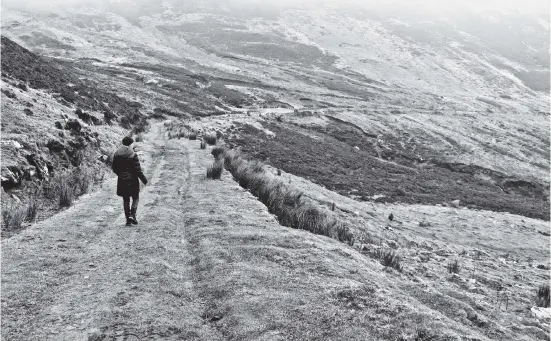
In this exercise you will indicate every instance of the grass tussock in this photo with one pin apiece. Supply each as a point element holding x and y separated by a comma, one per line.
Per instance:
<point>13,217</point>
<point>289,205</point>
<point>210,139</point>
<point>65,187</point>
<point>32,209</point>
<point>543,297</point>
<point>389,258</point>
<point>215,171</point>
<point>217,152</point>
<point>454,267</point>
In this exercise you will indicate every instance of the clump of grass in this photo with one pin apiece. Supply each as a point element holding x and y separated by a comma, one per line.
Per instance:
<point>215,171</point>
<point>13,217</point>
<point>64,187</point>
<point>389,258</point>
<point>210,139</point>
<point>203,145</point>
<point>217,152</point>
<point>32,209</point>
<point>287,204</point>
<point>543,296</point>
<point>454,267</point>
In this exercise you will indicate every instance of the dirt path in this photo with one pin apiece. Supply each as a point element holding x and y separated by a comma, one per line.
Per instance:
<point>83,272</point>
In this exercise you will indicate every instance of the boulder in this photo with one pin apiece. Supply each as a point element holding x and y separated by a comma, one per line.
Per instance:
<point>40,164</point>
<point>11,176</point>
<point>455,203</point>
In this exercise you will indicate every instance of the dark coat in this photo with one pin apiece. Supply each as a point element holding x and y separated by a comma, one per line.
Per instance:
<point>127,167</point>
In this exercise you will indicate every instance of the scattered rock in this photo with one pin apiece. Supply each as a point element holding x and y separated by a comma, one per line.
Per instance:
<point>11,176</point>
<point>392,244</point>
<point>8,93</point>
<point>424,223</point>
<point>22,86</point>
<point>95,335</point>
<point>455,203</point>
<point>356,148</point>
<point>42,168</point>
<point>55,146</point>
<point>73,125</point>
<point>541,313</point>
<point>87,118</point>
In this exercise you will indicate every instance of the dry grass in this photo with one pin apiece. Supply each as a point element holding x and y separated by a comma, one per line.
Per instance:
<point>13,217</point>
<point>32,209</point>
<point>543,297</point>
<point>389,258</point>
<point>215,171</point>
<point>289,205</point>
<point>65,187</point>
<point>454,267</point>
<point>217,151</point>
<point>210,138</point>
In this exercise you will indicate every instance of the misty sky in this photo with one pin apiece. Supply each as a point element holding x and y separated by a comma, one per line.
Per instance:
<point>540,7</point>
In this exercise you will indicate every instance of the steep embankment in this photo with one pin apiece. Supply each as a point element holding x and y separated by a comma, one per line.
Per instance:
<point>58,130</point>
<point>208,262</point>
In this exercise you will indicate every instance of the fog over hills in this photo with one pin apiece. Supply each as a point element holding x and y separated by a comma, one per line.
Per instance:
<point>383,169</point>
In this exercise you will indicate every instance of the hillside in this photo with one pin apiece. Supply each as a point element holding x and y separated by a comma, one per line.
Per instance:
<point>437,93</point>
<point>396,188</point>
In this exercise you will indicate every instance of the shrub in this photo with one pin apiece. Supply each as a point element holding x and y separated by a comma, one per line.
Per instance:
<point>13,217</point>
<point>543,297</point>
<point>454,267</point>
<point>215,171</point>
<point>192,135</point>
<point>210,139</point>
<point>203,145</point>
<point>279,172</point>
<point>389,258</point>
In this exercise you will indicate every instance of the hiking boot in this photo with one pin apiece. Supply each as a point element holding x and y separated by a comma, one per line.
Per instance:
<point>134,220</point>
<point>129,221</point>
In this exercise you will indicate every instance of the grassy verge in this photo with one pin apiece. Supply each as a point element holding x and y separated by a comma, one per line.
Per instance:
<point>290,206</point>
